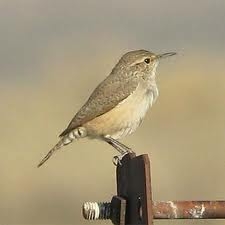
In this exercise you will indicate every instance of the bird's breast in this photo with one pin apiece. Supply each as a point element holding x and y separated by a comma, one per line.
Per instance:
<point>125,117</point>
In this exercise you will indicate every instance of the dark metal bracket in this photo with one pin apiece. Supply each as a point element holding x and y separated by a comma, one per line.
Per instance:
<point>133,204</point>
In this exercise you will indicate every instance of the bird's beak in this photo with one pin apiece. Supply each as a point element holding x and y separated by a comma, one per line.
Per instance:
<point>164,55</point>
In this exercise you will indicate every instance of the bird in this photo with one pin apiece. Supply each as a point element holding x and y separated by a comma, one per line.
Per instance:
<point>118,105</point>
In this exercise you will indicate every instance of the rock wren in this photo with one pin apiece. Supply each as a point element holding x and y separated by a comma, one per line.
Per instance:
<point>119,103</point>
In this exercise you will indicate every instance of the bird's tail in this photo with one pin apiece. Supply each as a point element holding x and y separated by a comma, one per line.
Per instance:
<point>63,141</point>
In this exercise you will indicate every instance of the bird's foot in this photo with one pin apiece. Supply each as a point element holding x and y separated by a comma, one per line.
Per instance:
<point>118,158</point>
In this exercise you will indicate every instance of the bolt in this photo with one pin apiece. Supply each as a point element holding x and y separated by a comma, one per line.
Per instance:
<point>96,210</point>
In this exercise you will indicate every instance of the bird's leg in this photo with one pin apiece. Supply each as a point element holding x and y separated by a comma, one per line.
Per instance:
<point>126,148</point>
<point>121,148</point>
<point>121,145</point>
<point>117,159</point>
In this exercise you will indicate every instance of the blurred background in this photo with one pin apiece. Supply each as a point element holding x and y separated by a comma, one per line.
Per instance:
<point>54,53</point>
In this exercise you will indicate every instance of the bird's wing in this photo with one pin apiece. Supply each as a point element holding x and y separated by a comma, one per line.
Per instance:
<point>106,96</point>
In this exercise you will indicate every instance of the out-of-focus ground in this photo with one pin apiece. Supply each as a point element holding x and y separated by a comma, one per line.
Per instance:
<point>54,53</point>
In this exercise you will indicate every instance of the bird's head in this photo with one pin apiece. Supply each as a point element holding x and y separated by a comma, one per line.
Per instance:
<point>142,62</point>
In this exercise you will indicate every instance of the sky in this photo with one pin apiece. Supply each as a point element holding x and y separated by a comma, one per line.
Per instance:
<point>54,53</point>
<point>31,30</point>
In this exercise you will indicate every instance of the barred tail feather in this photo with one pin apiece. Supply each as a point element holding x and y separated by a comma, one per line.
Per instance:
<point>77,133</point>
<point>64,141</point>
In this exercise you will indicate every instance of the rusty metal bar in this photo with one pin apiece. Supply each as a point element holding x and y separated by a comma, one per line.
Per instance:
<point>166,210</point>
<point>189,210</point>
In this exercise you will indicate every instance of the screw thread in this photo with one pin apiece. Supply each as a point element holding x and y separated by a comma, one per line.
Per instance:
<point>96,210</point>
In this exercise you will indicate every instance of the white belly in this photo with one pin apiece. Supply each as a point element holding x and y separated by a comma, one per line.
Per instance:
<point>134,110</point>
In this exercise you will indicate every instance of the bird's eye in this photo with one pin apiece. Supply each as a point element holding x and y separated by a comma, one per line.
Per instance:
<point>147,60</point>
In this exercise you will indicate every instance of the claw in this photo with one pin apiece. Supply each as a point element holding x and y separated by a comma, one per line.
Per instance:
<point>118,158</point>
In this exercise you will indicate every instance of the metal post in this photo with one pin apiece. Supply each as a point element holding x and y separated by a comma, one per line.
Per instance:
<point>134,185</point>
